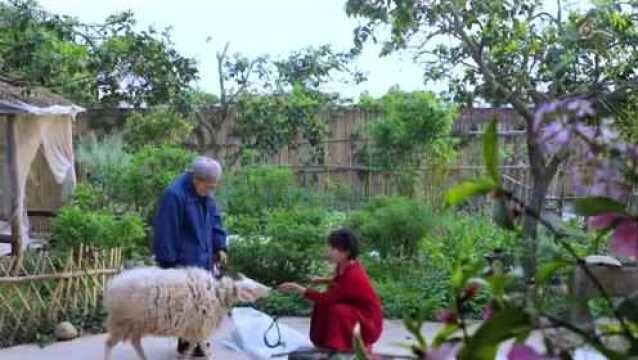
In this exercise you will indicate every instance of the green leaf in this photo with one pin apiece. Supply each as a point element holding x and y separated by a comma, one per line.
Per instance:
<point>465,190</point>
<point>359,348</point>
<point>414,328</point>
<point>498,284</point>
<point>490,151</point>
<point>463,272</point>
<point>597,205</point>
<point>444,334</point>
<point>546,271</point>
<point>506,324</point>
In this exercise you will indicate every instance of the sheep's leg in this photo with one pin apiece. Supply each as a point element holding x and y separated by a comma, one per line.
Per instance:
<point>189,350</point>
<point>137,345</point>
<point>108,348</point>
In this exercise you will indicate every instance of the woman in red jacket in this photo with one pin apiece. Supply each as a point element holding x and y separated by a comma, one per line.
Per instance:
<point>349,300</point>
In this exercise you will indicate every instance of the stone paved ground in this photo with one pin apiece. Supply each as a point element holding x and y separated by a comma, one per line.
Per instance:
<point>92,347</point>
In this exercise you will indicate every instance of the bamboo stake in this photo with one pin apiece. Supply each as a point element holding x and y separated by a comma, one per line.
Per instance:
<point>58,276</point>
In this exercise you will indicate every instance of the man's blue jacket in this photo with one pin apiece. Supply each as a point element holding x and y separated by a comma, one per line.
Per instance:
<point>187,229</point>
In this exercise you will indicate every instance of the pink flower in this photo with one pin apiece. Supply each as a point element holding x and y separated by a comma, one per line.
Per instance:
<point>447,351</point>
<point>471,290</point>
<point>524,352</point>
<point>448,317</point>
<point>603,221</point>
<point>625,238</point>
<point>488,312</point>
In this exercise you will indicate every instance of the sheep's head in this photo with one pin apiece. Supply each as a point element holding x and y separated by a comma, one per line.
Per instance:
<point>249,290</point>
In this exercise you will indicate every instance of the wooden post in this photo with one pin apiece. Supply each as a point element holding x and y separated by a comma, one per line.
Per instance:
<point>15,212</point>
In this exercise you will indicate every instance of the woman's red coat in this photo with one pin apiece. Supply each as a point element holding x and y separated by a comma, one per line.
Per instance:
<point>349,300</point>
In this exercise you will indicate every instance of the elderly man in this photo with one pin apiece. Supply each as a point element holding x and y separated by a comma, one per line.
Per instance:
<point>188,227</point>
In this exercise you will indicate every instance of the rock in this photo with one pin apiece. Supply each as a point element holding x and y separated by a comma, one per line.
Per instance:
<point>65,331</point>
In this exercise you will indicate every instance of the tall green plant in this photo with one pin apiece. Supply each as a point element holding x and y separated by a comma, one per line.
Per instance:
<point>288,247</point>
<point>99,228</point>
<point>392,226</point>
<point>256,189</point>
<point>160,127</point>
<point>414,129</point>
<point>103,161</point>
<point>148,174</point>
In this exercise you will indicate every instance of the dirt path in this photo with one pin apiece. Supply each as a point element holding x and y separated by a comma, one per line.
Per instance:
<point>92,347</point>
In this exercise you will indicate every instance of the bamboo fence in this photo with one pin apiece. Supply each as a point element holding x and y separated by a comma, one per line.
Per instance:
<point>46,290</point>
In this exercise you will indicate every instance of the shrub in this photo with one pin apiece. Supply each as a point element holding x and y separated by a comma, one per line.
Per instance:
<point>103,161</point>
<point>148,174</point>
<point>285,305</point>
<point>160,127</point>
<point>259,188</point>
<point>287,248</point>
<point>89,197</point>
<point>99,228</point>
<point>455,235</point>
<point>392,226</point>
<point>412,123</point>
<point>408,287</point>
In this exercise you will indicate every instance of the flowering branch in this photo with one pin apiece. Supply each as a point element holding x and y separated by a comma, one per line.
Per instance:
<point>559,237</point>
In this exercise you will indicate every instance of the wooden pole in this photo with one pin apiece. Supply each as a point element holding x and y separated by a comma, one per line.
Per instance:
<point>16,210</point>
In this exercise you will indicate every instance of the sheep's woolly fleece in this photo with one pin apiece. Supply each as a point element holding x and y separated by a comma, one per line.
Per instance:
<point>188,303</point>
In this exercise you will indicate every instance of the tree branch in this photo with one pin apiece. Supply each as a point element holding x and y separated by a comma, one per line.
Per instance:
<point>220,71</point>
<point>486,68</point>
<point>559,237</point>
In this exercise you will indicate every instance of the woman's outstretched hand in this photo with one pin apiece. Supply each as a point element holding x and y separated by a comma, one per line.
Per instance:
<point>291,288</point>
<point>320,280</point>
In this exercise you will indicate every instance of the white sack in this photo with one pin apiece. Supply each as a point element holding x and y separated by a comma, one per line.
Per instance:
<point>248,335</point>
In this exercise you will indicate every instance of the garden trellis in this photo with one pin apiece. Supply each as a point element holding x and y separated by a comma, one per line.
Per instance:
<point>45,289</point>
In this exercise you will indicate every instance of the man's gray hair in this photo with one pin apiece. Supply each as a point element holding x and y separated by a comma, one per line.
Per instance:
<point>206,168</point>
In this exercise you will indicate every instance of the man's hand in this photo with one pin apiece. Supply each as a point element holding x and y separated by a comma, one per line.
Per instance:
<point>222,257</point>
<point>291,288</point>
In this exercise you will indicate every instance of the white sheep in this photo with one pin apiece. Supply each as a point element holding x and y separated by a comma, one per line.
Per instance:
<point>187,303</point>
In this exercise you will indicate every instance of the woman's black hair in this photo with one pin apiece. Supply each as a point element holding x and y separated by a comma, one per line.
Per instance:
<point>345,240</point>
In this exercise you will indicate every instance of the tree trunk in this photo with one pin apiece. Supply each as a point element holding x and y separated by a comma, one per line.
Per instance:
<point>530,227</point>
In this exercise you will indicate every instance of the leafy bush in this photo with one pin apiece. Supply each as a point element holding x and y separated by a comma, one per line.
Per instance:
<point>408,287</point>
<point>392,226</point>
<point>256,189</point>
<point>285,305</point>
<point>160,127</point>
<point>148,174</point>
<point>103,161</point>
<point>456,235</point>
<point>288,247</point>
<point>100,228</point>
<point>89,197</point>
<point>411,123</point>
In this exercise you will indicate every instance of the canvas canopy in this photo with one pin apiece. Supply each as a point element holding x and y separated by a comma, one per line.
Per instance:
<point>29,120</point>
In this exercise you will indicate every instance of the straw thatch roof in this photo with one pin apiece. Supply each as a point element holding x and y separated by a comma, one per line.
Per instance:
<point>11,89</point>
<point>18,97</point>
